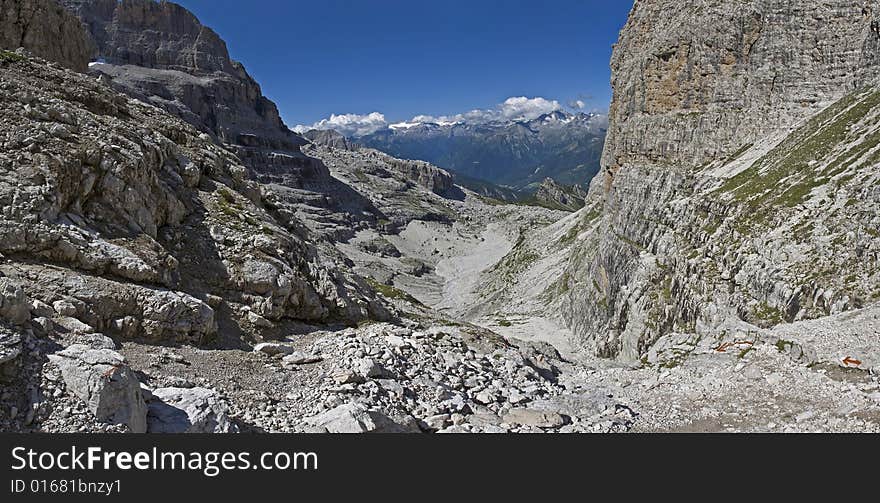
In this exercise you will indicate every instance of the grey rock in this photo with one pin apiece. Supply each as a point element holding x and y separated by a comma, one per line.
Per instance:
<point>358,418</point>
<point>96,341</point>
<point>10,352</point>
<point>64,308</point>
<point>45,29</point>
<point>300,358</point>
<point>537,418</point>
<point>192,410</point>
<point>438,422</point>
<point>370,369</point>
<point>345,376</point>
<point>105,383</point>
<point>482,420</point>
<point>14,305</point>
<point>40,309</point>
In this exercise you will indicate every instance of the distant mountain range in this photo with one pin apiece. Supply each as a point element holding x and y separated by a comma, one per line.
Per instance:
<point>517,154</point>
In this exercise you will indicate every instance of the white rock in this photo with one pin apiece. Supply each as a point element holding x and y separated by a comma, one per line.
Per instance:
<point>438,422</point>
<point>805,416</point>
<point>64,308</point>
<point>396,341</point>
<point>775,379</point>
<point>41,310</point>
<point>273,348</point>
<point>259,321</point>
<point>300,358</point>
<point>485,397</point>
<point>368,368</point>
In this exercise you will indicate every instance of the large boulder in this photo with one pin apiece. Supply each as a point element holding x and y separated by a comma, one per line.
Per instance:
<point>358,418</point>
<point>537,418</point>
<point>14,306</point>
<point>101,379</point>
<point>273,349</point>
<point>195,410</point>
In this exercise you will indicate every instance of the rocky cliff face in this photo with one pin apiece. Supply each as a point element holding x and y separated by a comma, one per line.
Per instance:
<point>329,138</point>
<point>160,52</point>
<point>696,83</point>
<point>728,200</point>
<point>126,221</point>
<point>44,29</point>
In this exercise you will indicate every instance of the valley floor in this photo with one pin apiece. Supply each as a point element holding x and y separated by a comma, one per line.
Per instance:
<point>794,378</point>
<point>460,361</point>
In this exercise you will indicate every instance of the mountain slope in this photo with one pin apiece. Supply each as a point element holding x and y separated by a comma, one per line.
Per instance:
<point>739,176</point>
<point>147,222</point>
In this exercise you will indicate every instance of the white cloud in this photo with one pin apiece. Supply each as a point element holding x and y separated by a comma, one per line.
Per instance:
<point>516,108</point>
<point>349,124</point>
<point>523,108</point>
<point>578,104</point>
<point>512,109</point>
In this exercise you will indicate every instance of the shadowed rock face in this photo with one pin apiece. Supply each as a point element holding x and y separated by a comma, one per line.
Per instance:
<point>161,53</point>
<point>706,96</point>
<point>44,29</point>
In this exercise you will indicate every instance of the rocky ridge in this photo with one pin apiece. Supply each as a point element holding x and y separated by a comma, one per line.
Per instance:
<point>565,197</point>
<point>519,154</point>
<point>122,221</point>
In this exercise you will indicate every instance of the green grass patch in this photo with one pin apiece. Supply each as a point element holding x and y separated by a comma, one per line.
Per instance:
<point>392,293</point>
<point>783,345</point>
<point>745,352</point>
<point>787,175</point>
<point>739,153</point>
<point>631,242</point>
<point>10,57</point>
<point>765,312</point>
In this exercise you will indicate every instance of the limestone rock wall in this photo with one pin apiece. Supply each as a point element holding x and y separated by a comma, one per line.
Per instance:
<point>721,204</point>
<point>44,29</point>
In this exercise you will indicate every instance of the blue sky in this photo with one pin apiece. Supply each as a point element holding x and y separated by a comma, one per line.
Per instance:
<point>405,58</point>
